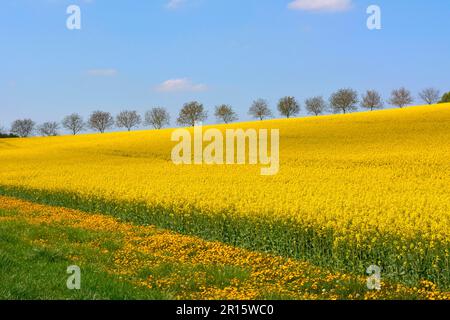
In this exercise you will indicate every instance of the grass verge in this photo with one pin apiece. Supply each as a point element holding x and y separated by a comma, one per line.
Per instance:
<point>400,262</point>
<point>124,261</point>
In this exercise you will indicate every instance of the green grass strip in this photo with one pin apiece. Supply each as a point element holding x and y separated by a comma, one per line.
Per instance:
<point>285,238</point>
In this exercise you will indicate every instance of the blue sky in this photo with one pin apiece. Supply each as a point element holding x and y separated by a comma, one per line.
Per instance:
<point>144,53</point>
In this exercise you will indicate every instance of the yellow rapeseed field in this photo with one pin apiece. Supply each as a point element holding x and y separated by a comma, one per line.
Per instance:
<point>353,189</point>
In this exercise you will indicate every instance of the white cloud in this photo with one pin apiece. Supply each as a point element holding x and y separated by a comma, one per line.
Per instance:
<point>320,5</point>
<point>102,72</point>
<point>180,85</point>
<point>175,4</point>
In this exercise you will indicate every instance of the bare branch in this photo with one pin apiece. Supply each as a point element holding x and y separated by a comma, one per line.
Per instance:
<point>157,117</point>
<point>260,109</point>
<point>128,120</point>
<point>372,100</point>
<point>23,128</point>
<point>401,98</point>
<point>191,113</point>
<point>288,107</point>
<point>101,121</point>
<point>430,95</point>
<point>49,129</point>
<point>225,113</point>
<point>315,105</point>
<point>344,100</point>
<point>74,123</point>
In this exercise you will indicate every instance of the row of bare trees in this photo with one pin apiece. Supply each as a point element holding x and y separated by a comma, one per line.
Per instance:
<point>101,121</point>
<point>98,121</point>
<point>342,101</point>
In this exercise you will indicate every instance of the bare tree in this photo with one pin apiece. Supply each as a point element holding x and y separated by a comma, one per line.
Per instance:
<point>74,123</point>
<point>344,100</point>
<point>191,113</point>
<point>101,121</point>
<point>372,100</point>
<point>128,120</point>
<point>225,113</point>
<point>288,107</point>
<point>23,128</point>
<point>401,98</point>
<point>315,105</point>
<point>260,109</point>
<point>430,95</point>
<point>49,129</point>
<point>157,117</point>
